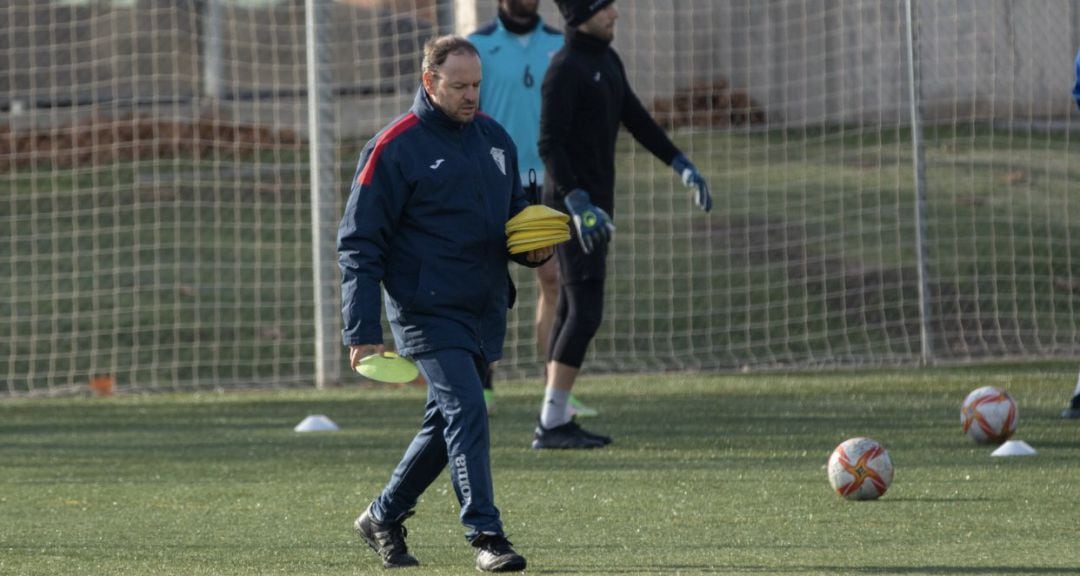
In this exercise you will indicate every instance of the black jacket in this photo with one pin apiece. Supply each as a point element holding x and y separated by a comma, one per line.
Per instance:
<point>586,96</point>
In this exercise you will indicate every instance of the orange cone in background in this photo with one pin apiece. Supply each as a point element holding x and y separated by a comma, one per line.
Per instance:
<point>102,384</point>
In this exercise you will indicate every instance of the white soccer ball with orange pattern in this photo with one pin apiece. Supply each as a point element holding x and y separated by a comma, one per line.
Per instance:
<point>860,469</point>
<point>989,415</point>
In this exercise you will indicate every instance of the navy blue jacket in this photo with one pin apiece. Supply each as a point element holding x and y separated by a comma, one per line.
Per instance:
<point>426,219</point>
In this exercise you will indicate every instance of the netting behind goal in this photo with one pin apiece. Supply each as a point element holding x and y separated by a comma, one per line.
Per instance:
<point>156,208</point>
<point>156,216</point>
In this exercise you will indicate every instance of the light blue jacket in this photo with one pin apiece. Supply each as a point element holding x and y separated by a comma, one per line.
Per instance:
<point>514,67</point>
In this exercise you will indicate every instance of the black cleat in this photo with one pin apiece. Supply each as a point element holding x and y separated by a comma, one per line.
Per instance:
<point>566,436</point>
<point>1071,414</point>
<point>603,440</point>
<point>386,539</point>
<point>495,554</point>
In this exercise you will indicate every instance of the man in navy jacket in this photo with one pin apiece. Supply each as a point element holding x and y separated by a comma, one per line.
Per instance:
<point>426,220</point>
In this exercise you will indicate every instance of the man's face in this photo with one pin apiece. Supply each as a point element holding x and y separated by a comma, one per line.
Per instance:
<point>455,87</point>
<point>602,24</point>
<point>520,9</point>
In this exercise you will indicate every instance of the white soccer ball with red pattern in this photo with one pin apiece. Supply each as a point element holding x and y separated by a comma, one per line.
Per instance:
<point>989,415</point>
<point>860,469</point>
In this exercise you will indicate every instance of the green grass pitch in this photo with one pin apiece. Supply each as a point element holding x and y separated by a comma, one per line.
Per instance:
<point>709,474</point>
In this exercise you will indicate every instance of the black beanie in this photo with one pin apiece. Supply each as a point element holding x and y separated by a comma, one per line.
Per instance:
<point>577,11</point>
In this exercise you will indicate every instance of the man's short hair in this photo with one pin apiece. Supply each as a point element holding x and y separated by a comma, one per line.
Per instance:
<point>437,49</point>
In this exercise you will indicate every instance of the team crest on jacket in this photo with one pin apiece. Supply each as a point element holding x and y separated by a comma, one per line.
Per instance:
<point>500,159</point>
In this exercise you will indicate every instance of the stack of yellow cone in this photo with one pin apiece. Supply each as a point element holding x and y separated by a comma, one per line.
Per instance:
<point>536,227</point>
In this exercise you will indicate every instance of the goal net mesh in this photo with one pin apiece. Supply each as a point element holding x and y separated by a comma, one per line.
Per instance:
<point>156,206</point>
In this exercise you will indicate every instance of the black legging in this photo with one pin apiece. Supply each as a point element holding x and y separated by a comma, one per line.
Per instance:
<point>577,318</point>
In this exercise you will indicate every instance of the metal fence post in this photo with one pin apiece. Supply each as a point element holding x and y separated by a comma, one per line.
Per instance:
<point>445,11</point>
<point>213,52</point>
<point>919,165</point>
<point>323,192</point>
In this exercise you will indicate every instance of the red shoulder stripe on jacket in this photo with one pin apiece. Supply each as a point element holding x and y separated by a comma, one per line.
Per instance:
<point>407,121</point>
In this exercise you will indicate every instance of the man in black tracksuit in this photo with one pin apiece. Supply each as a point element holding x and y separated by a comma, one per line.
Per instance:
<point>585,99</point>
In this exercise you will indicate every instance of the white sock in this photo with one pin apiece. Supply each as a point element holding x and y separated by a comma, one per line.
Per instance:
<point>554,412</point>
<point>1077,391</point>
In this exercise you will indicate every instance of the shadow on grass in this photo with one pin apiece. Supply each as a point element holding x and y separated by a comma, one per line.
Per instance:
<point>744,569</point>
<point>973,570</point>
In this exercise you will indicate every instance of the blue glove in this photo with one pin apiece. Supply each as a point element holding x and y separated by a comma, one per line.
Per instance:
<point>593,225</point>
<point>1076,87</point>
<point>693,179</point>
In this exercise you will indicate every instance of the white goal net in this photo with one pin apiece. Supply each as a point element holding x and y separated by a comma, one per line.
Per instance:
<point>158,223</point>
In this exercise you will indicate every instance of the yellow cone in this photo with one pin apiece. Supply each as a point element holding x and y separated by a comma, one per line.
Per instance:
<point>536,227</point>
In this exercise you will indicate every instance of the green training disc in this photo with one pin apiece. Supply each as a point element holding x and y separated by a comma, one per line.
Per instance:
<point>387,367</point>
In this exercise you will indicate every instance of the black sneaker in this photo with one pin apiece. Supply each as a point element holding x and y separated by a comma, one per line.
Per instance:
<point>568,435</point>
<point>386,539</point>
<point>495,554</point>
<point>603,440</point>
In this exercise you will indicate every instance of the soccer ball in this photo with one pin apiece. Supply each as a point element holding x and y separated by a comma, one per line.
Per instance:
<point>989,415</point>
<point>860,469</point>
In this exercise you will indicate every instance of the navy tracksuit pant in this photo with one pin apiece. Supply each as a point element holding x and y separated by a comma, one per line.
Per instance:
<point>455,432</point>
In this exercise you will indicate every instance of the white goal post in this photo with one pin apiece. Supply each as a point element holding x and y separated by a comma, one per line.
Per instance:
<point>172,173</point>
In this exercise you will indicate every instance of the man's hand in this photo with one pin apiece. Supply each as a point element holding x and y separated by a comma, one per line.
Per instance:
<point>540,254</point>
<point>358,352</point>
<point>592,224</point>
<point>693,179</point>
